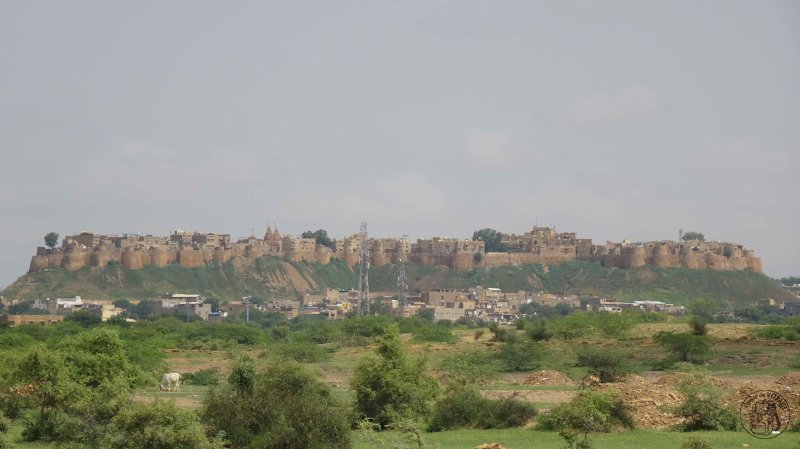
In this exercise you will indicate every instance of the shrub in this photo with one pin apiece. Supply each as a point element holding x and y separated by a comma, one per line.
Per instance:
<point>588,412</point>
<point>466,408</point>
<point>607,364</point>
<point>699,325</point>
<point>702,409</point>
<point>282,407</point>
<point>389,386</point>
<point>520,355</point>
<point>157,425</point>
<point>685,346</point>
<point>696,443</point>
<point>538,330</point>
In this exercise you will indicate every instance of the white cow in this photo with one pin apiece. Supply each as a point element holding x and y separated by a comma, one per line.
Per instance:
<point>168,380</point>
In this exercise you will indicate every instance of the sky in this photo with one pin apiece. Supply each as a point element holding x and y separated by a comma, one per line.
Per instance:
<point>615,119</point>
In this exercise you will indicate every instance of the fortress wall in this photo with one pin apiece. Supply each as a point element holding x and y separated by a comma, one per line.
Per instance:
<point>351,259</point>
<point>190,258</point>
<point>737,263</point>
<point>38,263</point>
<point>323,256</point>
<point>158,257</point>
<point>378,259</point>
<point>98,258</point>
<point>463,262</point>
<point>220,256</point>
<point>661,256</point>
<point>495,259</point>
<point>689,260</point>
<point>74,259</point>
<point>132,259</point>
<point>633,257</point>
<point>754,263</point>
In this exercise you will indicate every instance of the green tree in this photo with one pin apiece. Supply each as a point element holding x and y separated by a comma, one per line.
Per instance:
<point>283,408</point>
<point>161,425</point>
<point>51,239</point>
<point>320,236</point>
<point>388,385</point>
<point>84,318</point>
<point>606,364</point>
<point>703,308</point>
<point>5,427</point>
<point>686,347</point>
<point>693,235</point>
<point>492,239</point>
<point>520,355</point>
<point>76,387</point>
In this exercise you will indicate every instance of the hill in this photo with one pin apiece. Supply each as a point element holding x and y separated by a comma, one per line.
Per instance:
<point>271,277</point>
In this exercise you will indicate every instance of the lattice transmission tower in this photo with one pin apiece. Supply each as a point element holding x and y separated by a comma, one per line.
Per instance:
<point>363,273</point>
<point>402,287</point>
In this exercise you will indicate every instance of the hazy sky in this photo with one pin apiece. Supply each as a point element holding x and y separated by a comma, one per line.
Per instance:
<point>616,120</point>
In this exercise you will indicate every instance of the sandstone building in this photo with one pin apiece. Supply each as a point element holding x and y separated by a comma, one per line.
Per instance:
<point>541,245</point>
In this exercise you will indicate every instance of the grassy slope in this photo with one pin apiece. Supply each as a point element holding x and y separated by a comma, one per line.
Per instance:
<point>264,277</point>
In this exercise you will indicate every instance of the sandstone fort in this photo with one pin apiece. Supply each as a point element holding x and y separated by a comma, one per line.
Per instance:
<point>542,245</point>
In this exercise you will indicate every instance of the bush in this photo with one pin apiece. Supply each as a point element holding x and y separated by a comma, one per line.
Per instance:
<point>588,412</point>
<point>696,443</point>
<point>538,330</point>
<point>699,326</point>
<point>520,355</point>
<point>157,425</point>
<point>389,386</point>
<point>607,364</point>
<point>203,377</point>
<point>684,346</point>
<point>466,408</point>
<point>703,409</point>
<point>282,407</point>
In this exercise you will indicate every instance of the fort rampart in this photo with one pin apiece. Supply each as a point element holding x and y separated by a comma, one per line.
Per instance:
<point>541,245</point>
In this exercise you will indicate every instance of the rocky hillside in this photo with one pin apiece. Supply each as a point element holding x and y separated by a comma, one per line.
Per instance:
<point>270,277</point>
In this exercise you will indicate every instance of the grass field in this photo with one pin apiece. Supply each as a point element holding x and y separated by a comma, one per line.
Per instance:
<point>637,439</point>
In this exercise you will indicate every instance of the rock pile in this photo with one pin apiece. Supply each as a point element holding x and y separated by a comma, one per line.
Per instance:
<point>650,404</point>
<point>547,377</point>
<point>491,446</point>
<point>787,386</point>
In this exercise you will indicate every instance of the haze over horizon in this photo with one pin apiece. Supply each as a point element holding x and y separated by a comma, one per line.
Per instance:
<point>616,120</point>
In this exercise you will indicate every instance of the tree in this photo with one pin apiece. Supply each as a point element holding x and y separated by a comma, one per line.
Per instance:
<point>389,386</point>
<point>282,407</point>
<point>684,346</point>
<point>492,239</point>
<point>693,235</point>
<point>83,318</point>
<point>51,239</point>
<point>161,425</point>
<point>77,387</point>
<point>320,236</point>
<point>608,365</point>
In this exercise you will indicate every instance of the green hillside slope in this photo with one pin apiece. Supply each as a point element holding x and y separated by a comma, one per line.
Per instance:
<point>270,277</point>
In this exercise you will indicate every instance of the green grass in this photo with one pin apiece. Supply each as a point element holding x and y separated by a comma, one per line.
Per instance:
<point>637,439</point>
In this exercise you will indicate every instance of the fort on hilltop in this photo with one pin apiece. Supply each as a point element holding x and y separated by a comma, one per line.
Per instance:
<point>542,245</point>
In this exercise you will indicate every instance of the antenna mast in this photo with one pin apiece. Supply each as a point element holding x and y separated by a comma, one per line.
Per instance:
<point>402,286</point>
<point>363,273</point>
